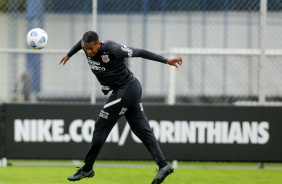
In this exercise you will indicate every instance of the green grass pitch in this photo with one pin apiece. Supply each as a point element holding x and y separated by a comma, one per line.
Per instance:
<point>125,175</point>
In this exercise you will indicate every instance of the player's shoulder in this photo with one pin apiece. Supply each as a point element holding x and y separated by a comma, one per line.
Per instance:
<point>109,44</point>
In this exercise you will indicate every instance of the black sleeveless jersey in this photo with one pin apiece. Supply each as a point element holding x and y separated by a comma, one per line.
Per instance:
<point>108,64</point>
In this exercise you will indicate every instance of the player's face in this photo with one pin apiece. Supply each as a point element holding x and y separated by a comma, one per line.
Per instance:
<point>91,48</point>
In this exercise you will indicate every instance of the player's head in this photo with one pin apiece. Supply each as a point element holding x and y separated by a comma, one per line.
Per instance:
<point>91,42</point>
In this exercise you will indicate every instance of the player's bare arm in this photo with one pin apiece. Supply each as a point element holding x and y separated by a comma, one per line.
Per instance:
<point>73,51</point>
<point>64,60</point>
<point>175,62</point>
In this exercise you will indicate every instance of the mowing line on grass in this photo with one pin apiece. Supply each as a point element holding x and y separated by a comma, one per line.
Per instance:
<point>78,165</point>
<point>137,166</point>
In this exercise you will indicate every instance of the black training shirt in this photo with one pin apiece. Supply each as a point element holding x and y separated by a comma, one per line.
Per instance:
<point>108,64</point>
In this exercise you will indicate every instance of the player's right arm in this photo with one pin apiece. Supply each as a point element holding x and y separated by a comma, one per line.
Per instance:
<point>73,51</point>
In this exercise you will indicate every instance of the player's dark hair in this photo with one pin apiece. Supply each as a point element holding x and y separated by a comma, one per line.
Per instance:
<point>90,36</point>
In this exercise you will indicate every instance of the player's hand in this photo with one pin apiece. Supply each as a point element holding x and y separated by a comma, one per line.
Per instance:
<point>64,60</point>
<point>175,62</point>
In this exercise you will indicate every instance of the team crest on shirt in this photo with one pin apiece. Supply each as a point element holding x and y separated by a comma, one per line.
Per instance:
<point>123,110</point>
<point>105,58</point>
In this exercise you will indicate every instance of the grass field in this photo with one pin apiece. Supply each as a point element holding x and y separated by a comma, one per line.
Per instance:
<point>203,174</point>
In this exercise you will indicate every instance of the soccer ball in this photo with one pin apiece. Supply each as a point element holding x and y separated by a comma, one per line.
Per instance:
<point>37,38</point>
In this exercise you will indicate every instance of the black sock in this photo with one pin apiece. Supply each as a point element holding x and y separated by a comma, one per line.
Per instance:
<point>162,164</point>
<point>87,167</point>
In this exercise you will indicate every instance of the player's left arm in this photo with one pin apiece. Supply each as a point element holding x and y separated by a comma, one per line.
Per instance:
<point>155,57</point>
<point>175,62</point>
<point>122,51</point>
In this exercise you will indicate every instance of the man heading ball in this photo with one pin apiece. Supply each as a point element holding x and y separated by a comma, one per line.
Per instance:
<point>107,61</point>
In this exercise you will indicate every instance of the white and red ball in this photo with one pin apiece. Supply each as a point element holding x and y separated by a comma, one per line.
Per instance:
<point>37,38</point>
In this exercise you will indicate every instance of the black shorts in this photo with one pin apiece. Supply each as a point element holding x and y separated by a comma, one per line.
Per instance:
<point>121,100</point>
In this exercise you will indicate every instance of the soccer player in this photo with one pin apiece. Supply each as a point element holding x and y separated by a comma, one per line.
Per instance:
<point>106,60</point>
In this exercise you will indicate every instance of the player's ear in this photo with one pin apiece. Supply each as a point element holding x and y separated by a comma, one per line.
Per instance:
<point>99,44</point>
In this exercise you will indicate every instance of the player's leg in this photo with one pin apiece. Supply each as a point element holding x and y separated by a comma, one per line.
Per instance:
<point>141,128</point>
<point>108,117</point>
<point>103,127</point>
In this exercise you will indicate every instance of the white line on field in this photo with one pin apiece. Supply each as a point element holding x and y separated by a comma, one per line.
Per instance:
<point>140,166</point>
